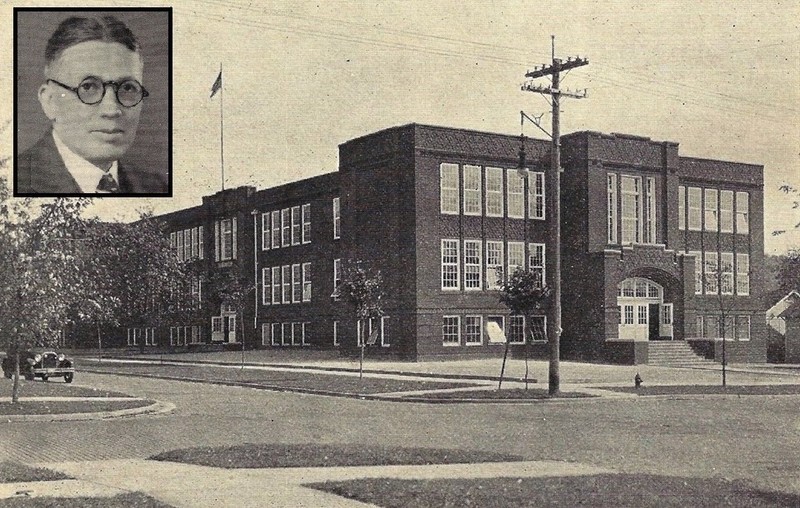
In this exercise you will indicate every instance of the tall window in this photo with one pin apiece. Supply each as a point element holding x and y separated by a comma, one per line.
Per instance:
<point>451,330</point>
<point>225,239</point>
<point>681,207</point>
<point>694,199</point>
<point>296,225</point>
<point>516,194</point>
<point>612,208</point>
<point>698,272</point>
<point>516,256</point>
<point>307,223</point>
<point>266,286</point>
<point>726,273</point>
<point>742,274</point>
<point>516,329</point>
<point>276,229</point>
<point>536,260</point>
<point>472,190</point>
<point>473,330</point>
<point>742,213</point>
<point>286,227</point>
<point>494,192</point>
<point>711,215</point>
<point>472,265</point>
<point>265,333</point>
<point>337,273</point>
<point>335,333</point>
<point>337,218</point>
<point>494,264</point>
<point>286,272</point>
<point>297,283</point>
<point>536,196</point>
<point>743,328</point>
<point>711,267</point>
<point>651,211</point>
<point>266,231</point>
<point>726,211</point>
<point>450,272</point>
<point>631,209</point>
<point>448,188</point>
<point>306,282</point>
<point>276,284</point>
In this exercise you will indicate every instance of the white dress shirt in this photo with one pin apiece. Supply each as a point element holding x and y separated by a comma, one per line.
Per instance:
<point>84,172</point>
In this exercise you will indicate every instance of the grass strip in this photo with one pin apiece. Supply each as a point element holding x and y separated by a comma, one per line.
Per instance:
<point>127,500</point>
<point>783,389</point>
<point>609,490</point>
<point>24,407</point>
<point>322,455</point>
<point>511,394</point>
<point>13,472</point>
<point>38,388</point>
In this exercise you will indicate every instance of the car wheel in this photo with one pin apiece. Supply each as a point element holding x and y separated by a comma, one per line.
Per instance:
<point>45,378</point>
<point>68,377</point>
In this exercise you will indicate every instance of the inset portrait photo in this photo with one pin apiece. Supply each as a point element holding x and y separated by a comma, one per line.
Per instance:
<point>93,102</point>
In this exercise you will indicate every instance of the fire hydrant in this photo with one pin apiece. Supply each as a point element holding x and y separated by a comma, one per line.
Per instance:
<point>637,380</point>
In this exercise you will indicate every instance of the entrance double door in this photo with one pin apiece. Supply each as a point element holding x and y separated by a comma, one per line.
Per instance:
<point>643,313</point>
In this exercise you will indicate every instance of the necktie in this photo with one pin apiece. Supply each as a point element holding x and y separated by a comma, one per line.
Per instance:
<point>108,184</point>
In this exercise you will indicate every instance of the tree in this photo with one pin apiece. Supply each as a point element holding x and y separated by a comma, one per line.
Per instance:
<point>41,273</point>
<point>523,293</point>
<point>362,287</point>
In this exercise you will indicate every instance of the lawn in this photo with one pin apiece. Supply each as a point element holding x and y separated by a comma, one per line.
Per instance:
<point>321,455</point>
<point>512,394</point>
<point>128,500</point>
<point>783,389</point>
<point>629,490</point>
<point>39,388</point>
<point>13,472</point>
<point>57,407</point>
<point>277,379</point>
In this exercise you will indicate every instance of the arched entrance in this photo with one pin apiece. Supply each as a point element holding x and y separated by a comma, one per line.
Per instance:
<point>643,313</point>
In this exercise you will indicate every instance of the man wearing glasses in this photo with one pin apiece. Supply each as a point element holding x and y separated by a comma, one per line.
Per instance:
<point>93,96</point>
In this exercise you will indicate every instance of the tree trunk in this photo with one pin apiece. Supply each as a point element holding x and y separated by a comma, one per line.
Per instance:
<point>15,388</point>
<point>503,368</point>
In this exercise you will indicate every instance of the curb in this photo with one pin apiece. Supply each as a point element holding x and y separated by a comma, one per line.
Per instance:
<point>157,407</point>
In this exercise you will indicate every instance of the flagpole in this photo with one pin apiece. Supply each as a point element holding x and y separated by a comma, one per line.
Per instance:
<point>221,128</point>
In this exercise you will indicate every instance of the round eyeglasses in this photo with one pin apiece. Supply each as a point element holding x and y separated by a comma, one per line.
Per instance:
<point>92,90</point>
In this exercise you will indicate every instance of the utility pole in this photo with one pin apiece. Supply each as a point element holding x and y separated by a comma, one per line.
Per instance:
<point>553,206</point>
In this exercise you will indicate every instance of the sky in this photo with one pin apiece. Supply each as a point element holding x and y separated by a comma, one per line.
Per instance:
<point>299,78</point>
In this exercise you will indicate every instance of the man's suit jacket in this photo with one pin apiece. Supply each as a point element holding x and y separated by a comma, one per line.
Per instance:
<point>40,170</point>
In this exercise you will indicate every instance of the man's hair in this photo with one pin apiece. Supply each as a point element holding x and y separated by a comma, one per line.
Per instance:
<point>75,30</point>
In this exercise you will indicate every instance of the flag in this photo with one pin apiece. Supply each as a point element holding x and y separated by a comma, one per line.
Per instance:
<point>217,84</point>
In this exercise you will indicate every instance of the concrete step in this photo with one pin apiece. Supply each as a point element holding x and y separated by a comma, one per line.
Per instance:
<point>674,353</point>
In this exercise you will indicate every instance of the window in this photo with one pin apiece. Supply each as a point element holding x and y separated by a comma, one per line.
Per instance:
<point>726,211</point>
<point>650,234</point>
<point>335,333</point>
<point>266,231</point>
<point>297,334</point>
<point>612,208</point>
<point>451,330</point>
<point>515,184</point>
<point>538,328</point>
<point>276,334</point>
<point>306,282</point>
<point>711,267</point>
<point>536,196</point>
<point>296,225</point>
<point>265,334</point>
<point>306,330</point>
<point>742,213</point>
<point>286,334</point>
<point>188,243</point>
<point>728,331</point>
<point>180,246</point>
<point>642,314</point>
<point>197,292</point>
<point>711,327</point>
<point>743,328</point>
<point>373,326</point>
<point>742,274</point>
<point>681,207</point>
<point>536,261</point>
<point>494,192</point>
<point>337,273</point>
<point>473,330</point>
<point>286,272</point>
<point>196,330</point>
<point>337,218</point>
<point>711,214</point>
<point>307,223</point>
<point>216,324</point>
<point>266,286</point>
<point>448,188</point>
<point>225,239</point>
<point>494,264</point>
<point>450,272</point>
<point>726,273</point>
<point>286,227</point>
<point>699,332</point>
<point>693,198</point>
<point>628,315</point>
<point>698,271</point>
<point>472,265</point>
<point>149,337</point>
<point>276,229</point>
<point>297,283</point>
<point>631,209</point>
<point>666,314</point>
<point>516,329</point>
<point>516,256</point>
<point>472,190</point>
<point>276,284</point>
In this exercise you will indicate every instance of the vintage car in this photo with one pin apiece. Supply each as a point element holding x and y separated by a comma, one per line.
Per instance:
<point>40,363</point>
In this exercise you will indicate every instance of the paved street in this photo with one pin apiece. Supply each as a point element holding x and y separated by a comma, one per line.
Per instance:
<point>751,437</point>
